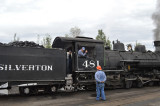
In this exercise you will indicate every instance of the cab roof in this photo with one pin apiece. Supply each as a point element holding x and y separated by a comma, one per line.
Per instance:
<point>59,42</point>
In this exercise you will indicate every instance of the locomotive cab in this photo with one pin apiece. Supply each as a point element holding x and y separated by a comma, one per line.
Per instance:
<point>94,57</point>
<point>83,67</point>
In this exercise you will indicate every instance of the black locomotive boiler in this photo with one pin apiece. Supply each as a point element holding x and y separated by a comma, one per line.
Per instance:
<point>133,68</point>
<point>28,70</point>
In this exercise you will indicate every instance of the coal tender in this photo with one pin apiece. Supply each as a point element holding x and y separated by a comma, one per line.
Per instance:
<point>27,68</point>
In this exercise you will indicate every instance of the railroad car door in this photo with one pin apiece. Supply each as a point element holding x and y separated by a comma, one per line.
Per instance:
<point>93,58</point>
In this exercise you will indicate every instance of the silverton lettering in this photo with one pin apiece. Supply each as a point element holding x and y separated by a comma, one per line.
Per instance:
<point>8,67</point>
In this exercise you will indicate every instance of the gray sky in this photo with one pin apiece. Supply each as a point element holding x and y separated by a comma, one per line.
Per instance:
<point>126,20</point>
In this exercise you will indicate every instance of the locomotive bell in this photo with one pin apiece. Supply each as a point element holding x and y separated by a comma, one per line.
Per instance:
<point>157,45</point>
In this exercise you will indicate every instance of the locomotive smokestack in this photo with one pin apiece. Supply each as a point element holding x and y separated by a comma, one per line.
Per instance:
<point>157,45</point>
<point>156,19</point>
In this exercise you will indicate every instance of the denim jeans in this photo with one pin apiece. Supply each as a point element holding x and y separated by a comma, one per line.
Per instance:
<point>100,91</point>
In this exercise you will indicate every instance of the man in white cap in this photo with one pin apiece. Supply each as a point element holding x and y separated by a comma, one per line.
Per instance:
<point>81,52</point>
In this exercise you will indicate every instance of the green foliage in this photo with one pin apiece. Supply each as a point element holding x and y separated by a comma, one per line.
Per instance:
<point>137,43</point>
<point>75,31</point>
<point>15,38</point>
<point>66,35</point>
<point>101,36</point>
<point>47,41</point>
<point>108,43</point>
<point>38,39</point>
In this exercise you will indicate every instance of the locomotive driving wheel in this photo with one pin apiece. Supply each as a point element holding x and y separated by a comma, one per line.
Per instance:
<point>24,90</point>
<point>151,83</point>
<point>139,84</point>
<point>28,90</point>
<point>128,84</point>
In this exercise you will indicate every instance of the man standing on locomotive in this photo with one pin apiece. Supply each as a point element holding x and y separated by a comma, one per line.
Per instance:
<point>100,77</point>
<point>81,52</point>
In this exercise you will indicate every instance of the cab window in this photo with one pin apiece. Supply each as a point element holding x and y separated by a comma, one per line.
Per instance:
<point>90,51</point>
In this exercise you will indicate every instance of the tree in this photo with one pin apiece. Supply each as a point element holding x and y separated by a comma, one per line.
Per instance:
<point>66,35</point>
<point>47,41</point>
<point>15,38</point>
<point>102,36</point>
<point>137,43</point>
<point>75,31</point>
<point>38,39</point>
<point>108,43</point>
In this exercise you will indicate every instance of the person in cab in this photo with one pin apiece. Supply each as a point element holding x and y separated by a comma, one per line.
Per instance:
<point>82,52</point>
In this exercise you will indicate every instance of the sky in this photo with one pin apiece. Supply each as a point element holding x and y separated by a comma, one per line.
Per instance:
<point>126,20</point>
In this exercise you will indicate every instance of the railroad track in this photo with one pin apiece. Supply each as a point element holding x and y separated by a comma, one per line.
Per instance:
<point>118,97</point>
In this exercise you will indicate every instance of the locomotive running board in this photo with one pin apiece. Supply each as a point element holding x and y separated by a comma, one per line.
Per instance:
<point>85,71</point>
<point>113,70</point>
<point>130,61</point>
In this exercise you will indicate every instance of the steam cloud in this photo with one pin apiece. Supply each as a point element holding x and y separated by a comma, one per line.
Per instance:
<point>156,18</point>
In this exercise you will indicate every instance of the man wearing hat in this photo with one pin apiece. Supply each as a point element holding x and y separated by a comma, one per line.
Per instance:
<point>100,77</point>
<point>81,52</point>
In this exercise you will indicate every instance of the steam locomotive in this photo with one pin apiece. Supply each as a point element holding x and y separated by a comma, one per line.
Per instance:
<point>27,70</point>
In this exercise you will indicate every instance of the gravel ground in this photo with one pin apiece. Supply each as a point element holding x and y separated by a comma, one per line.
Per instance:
<point>148,96</point>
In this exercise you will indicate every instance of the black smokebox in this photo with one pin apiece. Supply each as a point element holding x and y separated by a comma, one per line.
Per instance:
<point>157,45</point>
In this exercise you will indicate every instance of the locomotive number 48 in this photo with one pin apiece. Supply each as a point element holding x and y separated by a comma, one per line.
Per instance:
<point>90,64</point>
